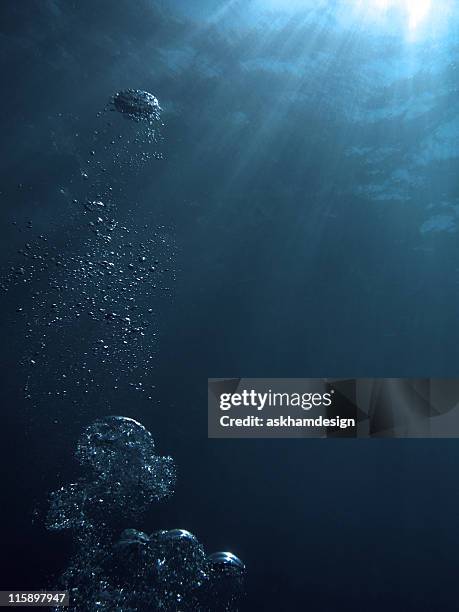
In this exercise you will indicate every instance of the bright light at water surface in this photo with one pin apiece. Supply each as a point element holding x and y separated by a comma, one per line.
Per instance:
<point>414,19</point>
<point>417,11</point>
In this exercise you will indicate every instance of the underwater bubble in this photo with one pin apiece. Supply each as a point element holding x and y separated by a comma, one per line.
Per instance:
<point>137,104</point>
<point>226,567</point>
<point>132,558</point>
<point>65,288</point>
<point>130,571</point>
<point>180,568</point>
<point>66,508</point>
<point>124,477</point>
<point>180,558</point>
<point>104,441</point>
<point>119,452</point>
<point>176,535</point>
<point>132,537</point>
<point>226,560</point>
<point>226,581</point>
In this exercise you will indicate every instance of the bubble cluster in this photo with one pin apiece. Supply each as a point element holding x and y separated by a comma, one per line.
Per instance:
<point>124,569</point>
<point>137,104</point>
<point>118,453</point>
<point>67,508</point>
<point>90,320</point>
<point>101,306</point>
<point>143,108</point>
<point>123,476</point>
<point>97,289</point>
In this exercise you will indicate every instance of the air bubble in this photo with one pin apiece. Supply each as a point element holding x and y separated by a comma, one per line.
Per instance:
<point>137,104</point>
<point>128,570</point>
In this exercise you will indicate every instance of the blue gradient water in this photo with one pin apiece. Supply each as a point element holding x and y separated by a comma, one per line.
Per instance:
<point>305,186</point>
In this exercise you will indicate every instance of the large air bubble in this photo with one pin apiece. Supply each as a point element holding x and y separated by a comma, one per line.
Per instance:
<point>137,104</point>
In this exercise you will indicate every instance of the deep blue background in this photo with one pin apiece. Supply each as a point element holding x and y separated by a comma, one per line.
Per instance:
<point>286,267</point>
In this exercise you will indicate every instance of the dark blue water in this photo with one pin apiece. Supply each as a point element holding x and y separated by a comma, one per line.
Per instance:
<point>302,205</point>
